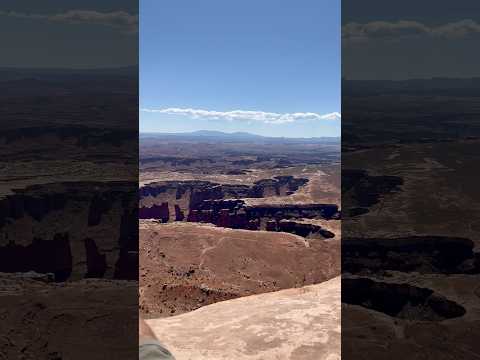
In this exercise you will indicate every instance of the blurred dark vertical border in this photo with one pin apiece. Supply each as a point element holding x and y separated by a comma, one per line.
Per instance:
<point>410,180</point>
<point>69,179</point>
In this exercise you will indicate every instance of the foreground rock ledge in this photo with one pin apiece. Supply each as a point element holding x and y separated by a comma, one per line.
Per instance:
<point>300,324</point>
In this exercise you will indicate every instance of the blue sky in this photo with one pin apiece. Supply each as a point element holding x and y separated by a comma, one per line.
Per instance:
<point>275,63</point>
<point>69,34</point>
<point>410,39</point>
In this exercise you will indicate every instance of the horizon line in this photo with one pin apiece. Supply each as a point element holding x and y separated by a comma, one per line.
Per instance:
<point>235,132</point>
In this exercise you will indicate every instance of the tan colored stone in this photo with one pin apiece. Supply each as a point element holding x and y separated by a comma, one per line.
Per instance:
<point>299,324</point>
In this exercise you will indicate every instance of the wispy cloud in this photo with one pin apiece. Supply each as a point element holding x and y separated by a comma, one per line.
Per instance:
<point>406,28</point>
<point>249,116</point>
<point>116,19</point>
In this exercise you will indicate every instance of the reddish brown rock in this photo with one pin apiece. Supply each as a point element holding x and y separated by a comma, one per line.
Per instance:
<point>305,322</point>
<point>193,216</point>
<point>185,266</point>
<point>224,219</point>
<point>179,215</point>
<point>160,212</point>
<point>239,220</point>
<point>206,216</point>
<point>271,225</point>
<point>254,225</point>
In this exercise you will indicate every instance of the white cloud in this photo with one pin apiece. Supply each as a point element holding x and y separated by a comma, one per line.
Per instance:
<point>406,28</point>
<point>458,29</point>
<point>249,116</point>
<point>116,19</point>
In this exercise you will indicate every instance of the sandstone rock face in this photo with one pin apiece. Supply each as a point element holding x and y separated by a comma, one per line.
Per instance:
<point>193,195</point>
<point>229,205</point>
<point>271,225</point>
<point>68,211</point>
<point>253,225</point>
<point>160,212</point>
<point>296,324</point>
<point>206,205</point>
<point>185,266</point>
<point>73,230</point>
<point>179,215</point>
<point>221,286</point>
<point>198,191</point>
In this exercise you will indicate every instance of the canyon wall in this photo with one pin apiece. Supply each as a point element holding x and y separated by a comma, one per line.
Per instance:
<point>223,205</point>
<point>66,229</point>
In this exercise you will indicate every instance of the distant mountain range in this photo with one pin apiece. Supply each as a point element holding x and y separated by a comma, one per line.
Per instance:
<point>210,135</point>
<point>238,134</point>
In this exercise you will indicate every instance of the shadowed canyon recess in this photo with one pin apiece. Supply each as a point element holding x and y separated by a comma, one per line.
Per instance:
<point>228,218</point>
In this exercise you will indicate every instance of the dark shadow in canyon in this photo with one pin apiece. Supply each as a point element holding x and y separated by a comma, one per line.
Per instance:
<point>423,254</point>
<point>220,204</point>
<point>41,256</point>
<point>402,301</point>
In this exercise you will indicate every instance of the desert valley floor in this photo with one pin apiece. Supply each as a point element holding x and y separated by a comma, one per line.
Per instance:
<point>229,223</point>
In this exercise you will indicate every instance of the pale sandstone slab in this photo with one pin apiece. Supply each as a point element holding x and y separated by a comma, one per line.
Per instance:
<point>299,324</point>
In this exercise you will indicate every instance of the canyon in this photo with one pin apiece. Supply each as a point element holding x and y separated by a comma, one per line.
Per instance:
<point>37,233</point>
<point>68,213</point>
<point>231,226</point>
<point>223,205</point>
<point>184,266</point>
<point>410,246</point>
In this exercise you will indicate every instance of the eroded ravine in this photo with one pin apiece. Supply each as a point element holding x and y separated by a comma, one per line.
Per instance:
<point>224,205</point>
